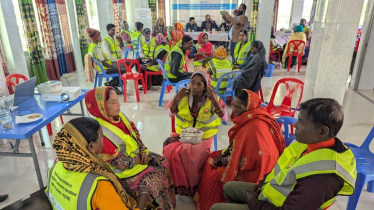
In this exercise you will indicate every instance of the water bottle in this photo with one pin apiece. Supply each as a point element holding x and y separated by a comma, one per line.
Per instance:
<point>5,116</point>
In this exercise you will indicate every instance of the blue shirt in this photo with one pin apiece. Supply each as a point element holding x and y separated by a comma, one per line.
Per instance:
<point>232,25</point>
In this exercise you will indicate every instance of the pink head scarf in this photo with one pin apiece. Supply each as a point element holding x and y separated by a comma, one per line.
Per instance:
<point>160,39</point>
<point>207,47</point>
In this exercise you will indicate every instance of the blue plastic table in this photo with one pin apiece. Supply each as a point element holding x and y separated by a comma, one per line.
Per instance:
<point>50,111</point>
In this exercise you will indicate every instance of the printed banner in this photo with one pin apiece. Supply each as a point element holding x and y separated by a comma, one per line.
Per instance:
<point>182,10</point>
<point>144,15</point>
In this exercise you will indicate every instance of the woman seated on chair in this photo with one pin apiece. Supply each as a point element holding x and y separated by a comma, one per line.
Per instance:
<point>253,72</point>
<point>255,144</point>
<point>160,52</point>
<point>77,146</point>
<point>202,50</point>
<point>198,107</point>
<point>125,153</point>
<point>218,66</point>
<point>242,50</point>
<point>176,34</point>
<point>298,35</point>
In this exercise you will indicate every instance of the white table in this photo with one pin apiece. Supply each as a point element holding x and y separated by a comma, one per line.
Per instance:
<point>217,37</point>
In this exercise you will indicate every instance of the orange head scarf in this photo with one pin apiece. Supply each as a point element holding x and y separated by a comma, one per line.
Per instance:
<point>220,53</point>
<point>178,26</point>
<point>256,112</point>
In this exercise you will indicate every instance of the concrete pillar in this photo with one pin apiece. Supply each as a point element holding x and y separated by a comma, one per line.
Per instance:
<point>297,11</point>
<point>104,15</point>
<point>365,77</point>
<point>3,81</point>
<point>70,7</point>
<point>265,22</point>
<point>11,39</point>
<point>331,48</point>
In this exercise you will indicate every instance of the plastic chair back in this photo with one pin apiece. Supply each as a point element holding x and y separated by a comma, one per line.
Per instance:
<point>12,84</point>
<point>296,45</point>
<point>98,63</point>
<point>162,67</point>
<point>181,84</point>
<point>287,123</point>
<point>363,154</point>
<point>287,100</point>
<point>128,64</point>
<point>230,91</point>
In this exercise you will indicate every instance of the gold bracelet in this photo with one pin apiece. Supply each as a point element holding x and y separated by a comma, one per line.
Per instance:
<point>219,111</point>
<point>171,106</point>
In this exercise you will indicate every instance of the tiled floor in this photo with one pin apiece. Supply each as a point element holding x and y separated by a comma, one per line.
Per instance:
<point>18,178</point>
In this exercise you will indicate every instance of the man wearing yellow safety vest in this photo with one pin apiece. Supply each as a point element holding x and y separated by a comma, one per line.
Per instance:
<point>148,44</point>
<point>310,173</point>
<point>137,39</point>
<point>109,66</point>
<point>110,44</point>
<point>218,66</point>
<point>174,64</point>
<point>242,50</point>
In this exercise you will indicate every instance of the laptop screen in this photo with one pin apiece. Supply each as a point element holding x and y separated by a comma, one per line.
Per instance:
<point>24,91</point>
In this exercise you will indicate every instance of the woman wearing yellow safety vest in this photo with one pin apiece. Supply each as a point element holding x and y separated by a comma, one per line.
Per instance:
<point>218,66</point>
<point>242,50</point>
<point>160,52</point>
<point>125,153</point>
<point>202,50</point>
<point>198,107</point>
<point>81,179</point>
<point>310,173</point>
<point>126,34</point>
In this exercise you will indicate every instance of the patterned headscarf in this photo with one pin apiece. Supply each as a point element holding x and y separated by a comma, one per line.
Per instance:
<point>160,39</point>
<point>96,102</point>
<point>220,53</point>
<point>71,149</point>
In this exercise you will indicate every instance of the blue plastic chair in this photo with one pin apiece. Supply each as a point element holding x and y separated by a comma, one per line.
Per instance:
<point>129,50</point>
<point>165,82</point>
<point>365,170</point>
<point>104,75</point>
<point>287,122</point>
<point>230,91</point>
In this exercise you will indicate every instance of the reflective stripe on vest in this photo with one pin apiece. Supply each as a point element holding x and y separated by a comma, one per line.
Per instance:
<point>135,40</point>
<point>91,50</point>
<point>207,120</point>
<point>158,50</point>
<point>148,49</point>
<point>167,68</point>
<point>219,68</point>
<point>69,189</point>
<point>292,166</point>
<point>127,145</point>
<point>115,50</point>
<point>241,55</point>
<point>200,62</point>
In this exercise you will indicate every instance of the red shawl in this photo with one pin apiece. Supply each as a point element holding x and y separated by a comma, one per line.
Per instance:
<point>207,47</point>
<point>256,141</point>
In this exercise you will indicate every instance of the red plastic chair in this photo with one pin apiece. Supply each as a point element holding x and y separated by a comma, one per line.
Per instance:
<point>150,73</point>
<point>271,52</point>
<point>296,44</point>
<point>132,76</point>
<point>285,108</point>
<point>11,86</point>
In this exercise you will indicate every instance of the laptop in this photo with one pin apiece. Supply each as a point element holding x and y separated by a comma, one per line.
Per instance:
<point>22,92</point>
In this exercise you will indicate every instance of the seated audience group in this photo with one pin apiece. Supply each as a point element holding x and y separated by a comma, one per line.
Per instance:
<point>104,164</point>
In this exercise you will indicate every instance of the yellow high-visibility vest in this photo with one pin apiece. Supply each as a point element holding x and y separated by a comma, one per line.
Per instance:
<point>292,166</point>
<point>158,50</point>
<point>241,55</point>
<point>148,49</point>
<point>70,189</point>
<point>135,40</point>
<point>177,49</point>
<point>200,62</point>
<point>115,50</point>
<point>91,50</point>
<point>207,120</point>
<point>218,68</point>
<point>126,144</point>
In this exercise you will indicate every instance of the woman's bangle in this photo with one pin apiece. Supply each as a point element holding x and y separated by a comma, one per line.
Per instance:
<point>144,193</point>
<point>218,111</point>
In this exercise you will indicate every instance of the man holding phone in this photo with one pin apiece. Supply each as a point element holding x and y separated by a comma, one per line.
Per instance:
<point>209,24</point>
<point>238,23</point>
